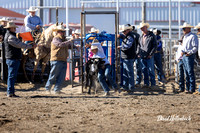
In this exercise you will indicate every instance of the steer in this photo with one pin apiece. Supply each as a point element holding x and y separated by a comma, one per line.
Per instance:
<point>92,68</point>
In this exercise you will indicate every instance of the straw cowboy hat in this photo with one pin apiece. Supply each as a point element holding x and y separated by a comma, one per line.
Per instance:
<point>5,19</point>
<point>11,25</point>
<point>197,27</point>
<point>143,25</point>
<point>32,9</point>
<point>125,27</point>
<point>94,47</point>
<point>186,25</point>
<point>59,28</point>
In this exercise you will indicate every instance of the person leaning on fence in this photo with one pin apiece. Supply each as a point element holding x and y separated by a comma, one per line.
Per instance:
<point>158,57</point>
<point>3,23</point>
<point>58,60</point>
<point>146,50</point>
<point>13,56</point>
<point>32,23</point>
<point>189,48</point>
<point>103,73</point>
<point>128,53</point>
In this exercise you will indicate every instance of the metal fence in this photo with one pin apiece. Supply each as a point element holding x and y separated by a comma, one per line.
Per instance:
<point>169,53</point>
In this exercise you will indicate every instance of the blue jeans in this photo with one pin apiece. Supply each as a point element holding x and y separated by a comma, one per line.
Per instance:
<point>148,70</point>
<point>188,62</point>
<point>13,66</point>
<point>158,63</point>
<point>181,75</point>
<point>103,75</point>
<point>128,75</point>
<point>138,70</point>
<point>57,75</point>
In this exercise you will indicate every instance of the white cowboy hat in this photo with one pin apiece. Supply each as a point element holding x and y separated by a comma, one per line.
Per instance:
<point>77,31</point>
<point>94,47</point>
<point>32,9</point>
<point>94,30</point>
<point>186,25</point>
<point>143,24</point>
<point>125,27</point>
<point>4,19</point>
<point>197,26</point>
<point>11,25</point>
<point>155,31</point>
<point>59,28</point>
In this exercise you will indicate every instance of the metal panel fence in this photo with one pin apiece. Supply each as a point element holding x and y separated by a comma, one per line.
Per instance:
<point>170,65</point>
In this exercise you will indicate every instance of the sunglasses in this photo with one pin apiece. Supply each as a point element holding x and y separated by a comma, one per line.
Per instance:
<point>184,28</point>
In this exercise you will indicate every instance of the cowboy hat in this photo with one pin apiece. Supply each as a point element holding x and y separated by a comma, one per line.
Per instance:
<point>4,19</point>
<point>32,9</point>
<point>186,25</point>
<point>94,47</point>
<point>197,26</point>
<point>125,27</point>
<point>94,30</point>
<point>11,25</point>
<point>143,25</point>
<point>77,31</point>
<point>59,28</point>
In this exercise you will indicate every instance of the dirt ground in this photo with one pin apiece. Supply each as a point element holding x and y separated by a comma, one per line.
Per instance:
<point>157,110</point>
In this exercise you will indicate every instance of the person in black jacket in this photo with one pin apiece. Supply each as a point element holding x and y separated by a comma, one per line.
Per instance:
<point>137,59</point>
<point>13,56</point>
<point>146,50</point>
<point>3,23</point>
<point>128,53</point>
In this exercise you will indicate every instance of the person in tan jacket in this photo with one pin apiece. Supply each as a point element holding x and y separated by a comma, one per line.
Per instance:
<point>58,60</point>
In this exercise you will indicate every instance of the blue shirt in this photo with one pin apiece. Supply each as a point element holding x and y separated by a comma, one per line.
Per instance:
<point>31,22</point>
<point>159,42</point>
<point>190,43</point>
<point>100,53</point>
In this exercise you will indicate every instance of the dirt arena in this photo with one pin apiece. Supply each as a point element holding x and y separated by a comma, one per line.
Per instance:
<point>158,110</point>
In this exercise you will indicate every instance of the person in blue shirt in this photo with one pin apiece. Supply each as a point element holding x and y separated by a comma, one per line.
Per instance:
<point>32,21</point>
<point>158,57</point>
